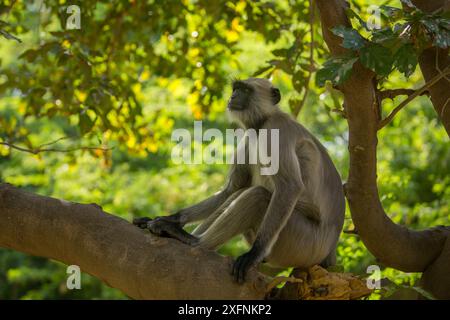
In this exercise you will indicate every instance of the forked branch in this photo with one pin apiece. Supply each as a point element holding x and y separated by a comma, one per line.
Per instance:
<point>414,95</point>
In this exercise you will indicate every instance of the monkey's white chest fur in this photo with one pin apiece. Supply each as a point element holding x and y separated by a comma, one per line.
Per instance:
<point>258,179</point>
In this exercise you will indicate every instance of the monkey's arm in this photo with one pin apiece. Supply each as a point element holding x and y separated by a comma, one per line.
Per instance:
<point>288,185</point>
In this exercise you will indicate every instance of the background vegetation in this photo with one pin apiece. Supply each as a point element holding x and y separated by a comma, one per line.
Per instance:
<point>137,70</point>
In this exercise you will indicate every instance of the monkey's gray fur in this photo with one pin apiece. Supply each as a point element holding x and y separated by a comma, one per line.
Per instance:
<point>292,218</point>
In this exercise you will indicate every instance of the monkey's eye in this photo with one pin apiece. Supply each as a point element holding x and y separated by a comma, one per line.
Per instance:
<point>247,90</point>
<point>238,86</point>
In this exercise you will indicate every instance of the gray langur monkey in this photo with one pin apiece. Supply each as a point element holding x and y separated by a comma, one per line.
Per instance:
<point>292,218</point>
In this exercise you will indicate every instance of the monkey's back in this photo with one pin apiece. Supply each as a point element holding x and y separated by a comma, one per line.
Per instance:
<point>307,240</point>
<point>319,174</point>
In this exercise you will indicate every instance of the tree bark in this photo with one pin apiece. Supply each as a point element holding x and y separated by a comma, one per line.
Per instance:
<point>432,61</point>
<point>394,245</point>
<point>123,256</point>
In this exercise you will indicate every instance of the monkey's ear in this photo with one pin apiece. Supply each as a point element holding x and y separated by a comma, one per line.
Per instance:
<point>276,96</point>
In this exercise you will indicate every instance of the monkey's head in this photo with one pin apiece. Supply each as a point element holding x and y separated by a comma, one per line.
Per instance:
<point>253,101</point>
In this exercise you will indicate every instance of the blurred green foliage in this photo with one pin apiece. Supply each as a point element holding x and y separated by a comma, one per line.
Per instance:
<point>136,70</point>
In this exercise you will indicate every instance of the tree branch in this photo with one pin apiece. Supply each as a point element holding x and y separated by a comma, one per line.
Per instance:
<point>432,61</point>
<point>411,97</point>
<point>123,256</point>
<point>439,92</point>
<point>394,245</point>
<point>300,105</point>
<point>393,93</point>
<point>42,147</point>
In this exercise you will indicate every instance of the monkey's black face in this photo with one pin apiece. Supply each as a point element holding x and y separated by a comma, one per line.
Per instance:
<point>241,96</point>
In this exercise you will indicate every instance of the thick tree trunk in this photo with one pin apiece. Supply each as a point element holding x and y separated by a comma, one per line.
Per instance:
<point>393,245</point>
<point>123,256</point>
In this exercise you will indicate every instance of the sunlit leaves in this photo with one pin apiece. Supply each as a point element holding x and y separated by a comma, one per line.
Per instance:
<point>440,31</point>
<point>384,36</point>
<point>351,38</point>
<point>101,68</point>
<point>85,123</point>
<point>337,70</point>
<point>352,14</point>
<point>282,64</point>
<point>393,46</point>
<point>391,12</point>
<point>377,58</point>
<point>233,33</point>
<point>30,55</point>
<point>442,39</point>
<point>263,70</point>
<point>405,59</point>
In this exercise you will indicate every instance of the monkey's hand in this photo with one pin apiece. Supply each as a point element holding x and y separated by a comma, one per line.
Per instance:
<point>244,263</point>
<point>141,222</point>
<point>164,227</point>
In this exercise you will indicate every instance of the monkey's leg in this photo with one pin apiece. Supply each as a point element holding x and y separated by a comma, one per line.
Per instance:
<point>170,227</point>
<point>196,212</point>
<point>209,220</point>
<point>244,213</point>
<point>239,178</point>
<point>202,209</point>
<point>330,260</point>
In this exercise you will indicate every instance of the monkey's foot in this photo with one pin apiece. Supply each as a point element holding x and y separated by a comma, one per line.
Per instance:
<point>164,228</point>
<point>243,264</point>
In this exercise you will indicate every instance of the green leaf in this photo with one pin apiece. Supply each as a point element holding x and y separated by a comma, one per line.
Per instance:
<point>85,123</point>
<point>385,36</point>
<point>38,92</point>
<point>262,70</point>
<point>293,103</point>
<point>431,25</point>
<point>283,65</point>
<point>391,12</point>
<point>377,58</point>
<point>352,14</point>
<point>299,80</point>
<point>280,52</point>
<point>30,55</point>
<point>352,39</point>
<point>336,70</point>
<point>438,29</point>
<point>62,59</point>
<point>442,39</point>
<point>405,59</point>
